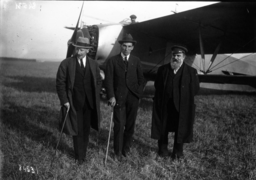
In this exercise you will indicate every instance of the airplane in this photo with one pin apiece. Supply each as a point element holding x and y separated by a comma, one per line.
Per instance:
<point>222,28</point>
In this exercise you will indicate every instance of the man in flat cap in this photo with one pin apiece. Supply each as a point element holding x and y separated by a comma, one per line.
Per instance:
<point>78,86</point>
<point>173,108</point>
<point>133,18</point>
<point>124,84</point>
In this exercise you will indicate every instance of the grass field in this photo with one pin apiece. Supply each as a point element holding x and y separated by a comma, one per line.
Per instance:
<point>224,144</point>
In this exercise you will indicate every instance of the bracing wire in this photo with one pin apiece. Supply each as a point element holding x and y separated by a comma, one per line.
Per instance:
<point>161,60</point>
<point>229,56</point>
<point>230,62</point>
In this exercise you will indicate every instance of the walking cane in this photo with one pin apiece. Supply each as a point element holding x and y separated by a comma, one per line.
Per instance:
<point>109,135</point>
<point>61,132</point>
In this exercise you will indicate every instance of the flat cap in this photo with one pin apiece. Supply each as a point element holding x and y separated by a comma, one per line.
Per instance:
<point>133,16</point>
<point>179,49</point>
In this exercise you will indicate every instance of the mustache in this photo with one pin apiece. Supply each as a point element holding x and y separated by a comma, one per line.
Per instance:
<point>175,60</point>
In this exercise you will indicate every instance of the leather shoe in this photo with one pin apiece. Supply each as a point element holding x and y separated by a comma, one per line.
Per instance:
<point>80,161</point>
<point>117,157</point>
<point>126,153</point>
<point>177,151</point>
<point>177,156</point>
<point>163,153</point>
<point>71,154</point>
<point>162,149</point>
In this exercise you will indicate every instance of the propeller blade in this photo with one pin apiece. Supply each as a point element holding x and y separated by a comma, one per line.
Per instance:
<point>73,38</point>
<point>71,28</point>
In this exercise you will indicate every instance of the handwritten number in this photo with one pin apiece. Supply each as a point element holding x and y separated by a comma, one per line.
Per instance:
<point>28,169</point>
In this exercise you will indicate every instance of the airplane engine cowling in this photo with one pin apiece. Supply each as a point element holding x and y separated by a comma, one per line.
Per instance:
<point>105,40</point>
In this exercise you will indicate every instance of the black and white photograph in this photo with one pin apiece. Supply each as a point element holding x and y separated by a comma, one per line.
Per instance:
<point>127,90</point>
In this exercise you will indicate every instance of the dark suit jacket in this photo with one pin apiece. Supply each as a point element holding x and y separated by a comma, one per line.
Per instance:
<point>118,82</point>
<point>185,93</point>
<point>64,85</point>
<point>83,87</point>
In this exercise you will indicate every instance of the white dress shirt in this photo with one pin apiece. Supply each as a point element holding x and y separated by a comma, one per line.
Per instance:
<point>123,56</point>
<point>84,61</point>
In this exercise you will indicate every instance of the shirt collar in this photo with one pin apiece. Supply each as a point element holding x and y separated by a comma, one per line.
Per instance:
<point>123,56</point>
<point>84,60</point>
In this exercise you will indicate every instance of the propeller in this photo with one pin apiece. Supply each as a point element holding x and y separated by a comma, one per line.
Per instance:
<point>73,38</point>
<point>71,28</point>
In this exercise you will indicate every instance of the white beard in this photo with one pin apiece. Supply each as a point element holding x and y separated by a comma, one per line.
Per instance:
<point>175,65</point>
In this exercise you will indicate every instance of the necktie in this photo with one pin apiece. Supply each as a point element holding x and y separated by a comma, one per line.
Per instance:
<point>81,63</point>
<point>125,62</point>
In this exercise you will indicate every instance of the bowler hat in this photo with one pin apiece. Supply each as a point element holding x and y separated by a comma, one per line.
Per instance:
<point>179,49</point>
<point>127,38</point>
<point>83,42</point>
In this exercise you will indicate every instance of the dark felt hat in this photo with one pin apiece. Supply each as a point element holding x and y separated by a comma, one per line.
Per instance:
<point>83,42</point>
<point>179,49</point>
<point>127,38</point>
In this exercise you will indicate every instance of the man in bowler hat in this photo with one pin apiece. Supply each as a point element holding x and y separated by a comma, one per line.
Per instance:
<point>124,84</point>
<point>173,108</point>
<point>78,86</point>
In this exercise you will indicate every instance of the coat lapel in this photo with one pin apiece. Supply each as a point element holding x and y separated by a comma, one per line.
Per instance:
<point>120,62</point>
<point>179,72</point>
<point>130,62</point>
<point>72,70</point>
<point>184,77</point>
<point>79,68</point>
<point>91,67</point>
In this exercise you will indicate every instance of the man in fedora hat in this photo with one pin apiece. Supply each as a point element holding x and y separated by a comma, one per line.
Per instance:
<point>173,108</point>
<point>78,86</point>
<point>124,85</point>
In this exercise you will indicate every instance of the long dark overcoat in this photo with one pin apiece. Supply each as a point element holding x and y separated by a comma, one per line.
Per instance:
<point>189,87</point>
<point>64,85</point>
<point>117,81</point>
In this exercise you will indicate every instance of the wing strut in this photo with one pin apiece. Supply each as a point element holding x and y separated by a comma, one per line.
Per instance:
<point>201,49</point>
<point>73,38</point>
<point>213,57</point>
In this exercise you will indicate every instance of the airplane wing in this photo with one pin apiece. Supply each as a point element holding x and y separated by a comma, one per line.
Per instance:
<point>222,28</point>
<point>232,23</point>
<point>228,79</point>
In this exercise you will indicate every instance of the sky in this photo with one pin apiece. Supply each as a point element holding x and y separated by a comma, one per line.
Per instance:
<point>35,29</point>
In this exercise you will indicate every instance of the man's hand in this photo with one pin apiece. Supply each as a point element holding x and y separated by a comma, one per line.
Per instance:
<point>102,74</point>
<point>112,101</point>
<point>67,105</point>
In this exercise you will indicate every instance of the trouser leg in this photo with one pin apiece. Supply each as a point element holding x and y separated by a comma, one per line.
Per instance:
<point>82,139</point>
<point>119,121</point>
<point>79,147</point>
<point>132,104</point>
<point>177,148</point>
<point>163,144</point>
